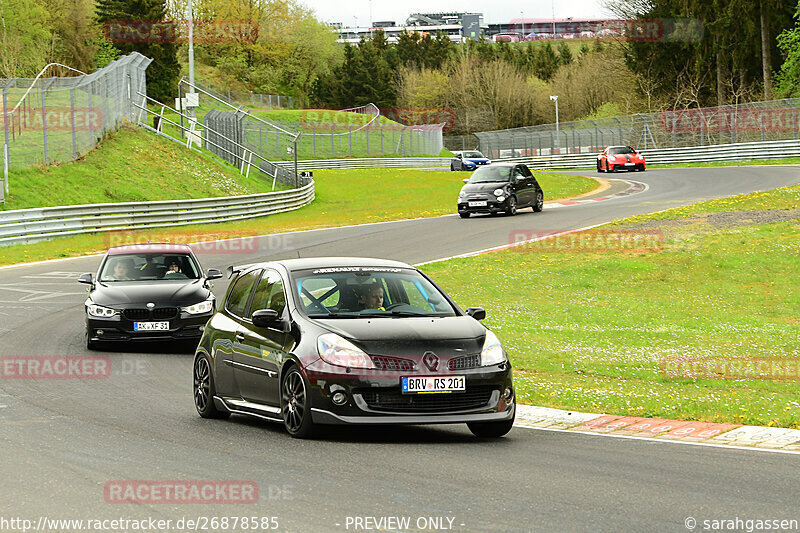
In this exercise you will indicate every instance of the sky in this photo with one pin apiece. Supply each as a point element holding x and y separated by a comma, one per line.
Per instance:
<point>344,11</point>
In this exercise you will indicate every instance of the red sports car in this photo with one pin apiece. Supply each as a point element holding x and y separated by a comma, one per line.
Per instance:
<point>615,158</point>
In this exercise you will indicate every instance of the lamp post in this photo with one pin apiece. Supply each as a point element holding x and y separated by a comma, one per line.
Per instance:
<point>191,55</point>
<point>555,99</point>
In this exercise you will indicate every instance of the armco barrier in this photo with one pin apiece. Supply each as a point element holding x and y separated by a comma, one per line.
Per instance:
<point>696,154</point>
<point>369,162</point>
<point>32,225</point>
<point>719,153</point>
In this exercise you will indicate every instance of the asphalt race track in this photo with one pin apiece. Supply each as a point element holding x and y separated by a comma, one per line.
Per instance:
<point>64,440</point>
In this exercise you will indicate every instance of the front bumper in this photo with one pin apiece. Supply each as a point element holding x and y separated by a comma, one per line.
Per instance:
<point>492,206</point>
<point>121,329</point>
<point>374,397</point>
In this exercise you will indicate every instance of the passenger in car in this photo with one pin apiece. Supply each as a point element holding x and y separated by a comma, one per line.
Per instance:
<point>123,270</point>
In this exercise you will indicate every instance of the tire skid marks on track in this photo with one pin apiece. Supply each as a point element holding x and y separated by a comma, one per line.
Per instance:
<point>634,187</point>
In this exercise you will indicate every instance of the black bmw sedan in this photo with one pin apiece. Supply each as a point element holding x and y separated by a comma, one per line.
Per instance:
<point>148,292</point>
<point>309,342</point>
<point>500,188</point>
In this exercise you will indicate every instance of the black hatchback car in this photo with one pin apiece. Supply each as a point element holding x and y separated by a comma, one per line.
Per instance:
<point>500,188</point>
<point>310,342</point>
<point>148,292</point>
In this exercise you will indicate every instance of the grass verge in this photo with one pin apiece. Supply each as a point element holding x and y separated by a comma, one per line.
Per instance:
<point>342,197</point>
<point>700,325</point>
<point>131,165</point>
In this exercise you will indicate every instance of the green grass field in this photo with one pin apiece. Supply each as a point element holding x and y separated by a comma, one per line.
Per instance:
<point>131,165</point>
<point>393,194</point>
<point>603,329</point>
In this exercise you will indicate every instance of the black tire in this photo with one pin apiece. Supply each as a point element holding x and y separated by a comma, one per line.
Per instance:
<point>643,168</point>
<point>511,209</point>
<point>203,389</point>
<point>296,405</point>
<point>490,430</point>
<point>452,168</point>
<point>463,215</point>
<point>599,167</point>
<point>538,205</point>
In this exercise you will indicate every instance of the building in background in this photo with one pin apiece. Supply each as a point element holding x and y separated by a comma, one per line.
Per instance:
<point>462,26</point>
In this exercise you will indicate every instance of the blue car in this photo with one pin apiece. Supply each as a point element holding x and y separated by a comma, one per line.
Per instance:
<point>468,160</point>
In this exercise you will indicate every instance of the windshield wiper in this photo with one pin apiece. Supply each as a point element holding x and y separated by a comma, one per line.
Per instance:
<point>334,315</point>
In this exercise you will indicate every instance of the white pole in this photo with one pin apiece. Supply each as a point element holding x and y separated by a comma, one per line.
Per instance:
<point>555,99</point>
<point>191,55</point>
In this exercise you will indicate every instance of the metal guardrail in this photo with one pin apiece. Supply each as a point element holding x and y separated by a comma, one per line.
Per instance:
<point>32,225</point>
<point>697,154</point>
<point>369,162</point>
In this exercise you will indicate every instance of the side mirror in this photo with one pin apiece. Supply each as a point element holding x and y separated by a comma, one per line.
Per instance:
<point>478,313</point>
<point>266,318</point>
<point>465,180</point>
<point>86,278</point>
<point>213,273</point>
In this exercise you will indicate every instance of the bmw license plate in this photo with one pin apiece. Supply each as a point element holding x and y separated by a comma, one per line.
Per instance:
<point>432,384</point>
<point>481,203</point>
<point>151,326</point>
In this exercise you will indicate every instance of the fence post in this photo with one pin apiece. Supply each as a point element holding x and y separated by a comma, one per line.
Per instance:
<point>44,126</point>
<point>619,125</point>
<point>761,119</point>
<point>72,113</point>
<point>6,159</point>
<point>350,138</point>
<point>794,118</point>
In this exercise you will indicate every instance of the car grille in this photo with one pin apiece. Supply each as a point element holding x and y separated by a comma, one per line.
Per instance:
<point>383,362</point>
<point>394,400</point>
<point>162,313</point>
<point>467,361</point>
<point>165,312</point>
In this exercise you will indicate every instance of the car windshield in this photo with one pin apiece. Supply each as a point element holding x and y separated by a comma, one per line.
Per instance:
<point>619,150</point>
<point>359,292</point>
<point>148,267</point>
<point>474,155</point>
<point>490,173</point>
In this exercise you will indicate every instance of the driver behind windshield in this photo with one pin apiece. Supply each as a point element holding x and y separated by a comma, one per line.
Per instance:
<point>372,296</point>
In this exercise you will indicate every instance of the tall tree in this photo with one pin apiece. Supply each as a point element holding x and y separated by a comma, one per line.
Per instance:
<point>163,73</point>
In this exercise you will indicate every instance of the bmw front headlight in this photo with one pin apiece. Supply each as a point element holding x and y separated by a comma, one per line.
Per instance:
<point>492,353</point>
<point>98,311</point>
<point>199,308</point>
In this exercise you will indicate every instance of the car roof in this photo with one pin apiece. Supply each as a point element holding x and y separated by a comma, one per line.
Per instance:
<point>155,248</point>
<point>504,164</point>
<point>325,262</point>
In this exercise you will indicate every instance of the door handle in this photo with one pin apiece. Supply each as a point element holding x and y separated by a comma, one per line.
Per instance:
<point>240,337</point>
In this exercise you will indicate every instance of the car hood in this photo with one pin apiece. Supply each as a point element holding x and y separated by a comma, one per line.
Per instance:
<point>161,293</point>
<point>477,159</point>
<point>411,337</point>
<point>483,187</point>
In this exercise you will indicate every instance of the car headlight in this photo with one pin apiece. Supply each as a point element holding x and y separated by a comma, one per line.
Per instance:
<point>501,198</point>
<point>499,192</point>
<point>98,311</point>
<point>339,351</point>
<point>492,353</point>
<point>199,308</point>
